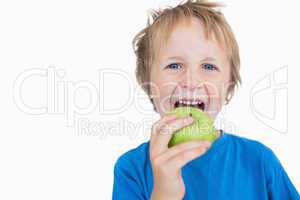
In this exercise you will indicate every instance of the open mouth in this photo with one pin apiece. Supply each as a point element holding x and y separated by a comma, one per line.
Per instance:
<point>191,103</point>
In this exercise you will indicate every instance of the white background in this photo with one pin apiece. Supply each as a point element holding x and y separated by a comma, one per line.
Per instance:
<point>44,157</point>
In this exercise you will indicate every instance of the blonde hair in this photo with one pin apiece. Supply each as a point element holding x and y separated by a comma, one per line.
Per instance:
<point>148,41</point>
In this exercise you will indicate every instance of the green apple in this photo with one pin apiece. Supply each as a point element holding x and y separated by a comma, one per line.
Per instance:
<point>201,129</point>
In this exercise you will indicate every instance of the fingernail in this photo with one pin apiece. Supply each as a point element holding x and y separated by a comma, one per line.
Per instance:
<point>188,119</point>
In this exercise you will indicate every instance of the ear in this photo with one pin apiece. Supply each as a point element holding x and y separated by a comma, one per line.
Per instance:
<point>229,93</point>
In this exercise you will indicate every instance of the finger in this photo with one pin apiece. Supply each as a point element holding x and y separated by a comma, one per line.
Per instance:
<point>175,150</point>
<point>160,143</point>
<point>170,127</point>
<point>157,126</point>
<point>182,158</point>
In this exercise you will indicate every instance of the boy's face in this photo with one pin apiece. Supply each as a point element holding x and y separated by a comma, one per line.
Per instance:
<point>190,69</point>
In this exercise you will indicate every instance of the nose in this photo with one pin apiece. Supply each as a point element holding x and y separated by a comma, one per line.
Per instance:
<point>191,80</point>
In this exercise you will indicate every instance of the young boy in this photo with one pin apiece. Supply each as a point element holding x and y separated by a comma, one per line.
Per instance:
<point>188,56</point>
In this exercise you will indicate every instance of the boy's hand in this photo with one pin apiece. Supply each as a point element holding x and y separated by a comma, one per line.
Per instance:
<point>167,162</point>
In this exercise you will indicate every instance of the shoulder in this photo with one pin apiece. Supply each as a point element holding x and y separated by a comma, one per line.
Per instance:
<point>251,152</point>
<point>257,154</point>
<point>248,145</point>
<point>250,149</point>
<point>130,174</point>
<point>133,157</point>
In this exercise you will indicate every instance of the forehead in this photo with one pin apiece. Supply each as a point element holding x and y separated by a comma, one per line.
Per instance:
<point>189,39</point>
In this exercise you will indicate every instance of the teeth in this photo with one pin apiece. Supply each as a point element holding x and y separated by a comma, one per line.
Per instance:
<point>190,102</point>
<point>194,103</point>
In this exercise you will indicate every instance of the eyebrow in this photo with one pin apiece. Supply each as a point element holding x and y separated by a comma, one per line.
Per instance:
<point>208,59</point>
<point>203,60</point>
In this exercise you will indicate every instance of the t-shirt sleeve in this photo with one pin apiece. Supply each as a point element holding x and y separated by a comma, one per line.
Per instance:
<point>126,185</point>
<point>278,183</point>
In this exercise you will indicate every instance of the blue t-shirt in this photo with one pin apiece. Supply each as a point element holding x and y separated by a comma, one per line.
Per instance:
<point>233,168</point>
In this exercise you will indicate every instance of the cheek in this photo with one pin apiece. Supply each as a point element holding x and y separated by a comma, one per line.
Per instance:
<point>162,89</point>
<point>216,95</point>
<point>217,88</point>
<point>213,89</point>
<point>226,83</point>
<point>215,99</point>
<point>162,85</point>
<point>157,87</point>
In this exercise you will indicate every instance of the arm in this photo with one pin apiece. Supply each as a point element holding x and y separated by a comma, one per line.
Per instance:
<point>125,184</point>
<point>278,183</point>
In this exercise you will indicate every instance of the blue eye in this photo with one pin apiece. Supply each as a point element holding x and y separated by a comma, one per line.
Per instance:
<point>174,66</point>
<point>209,67</point>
